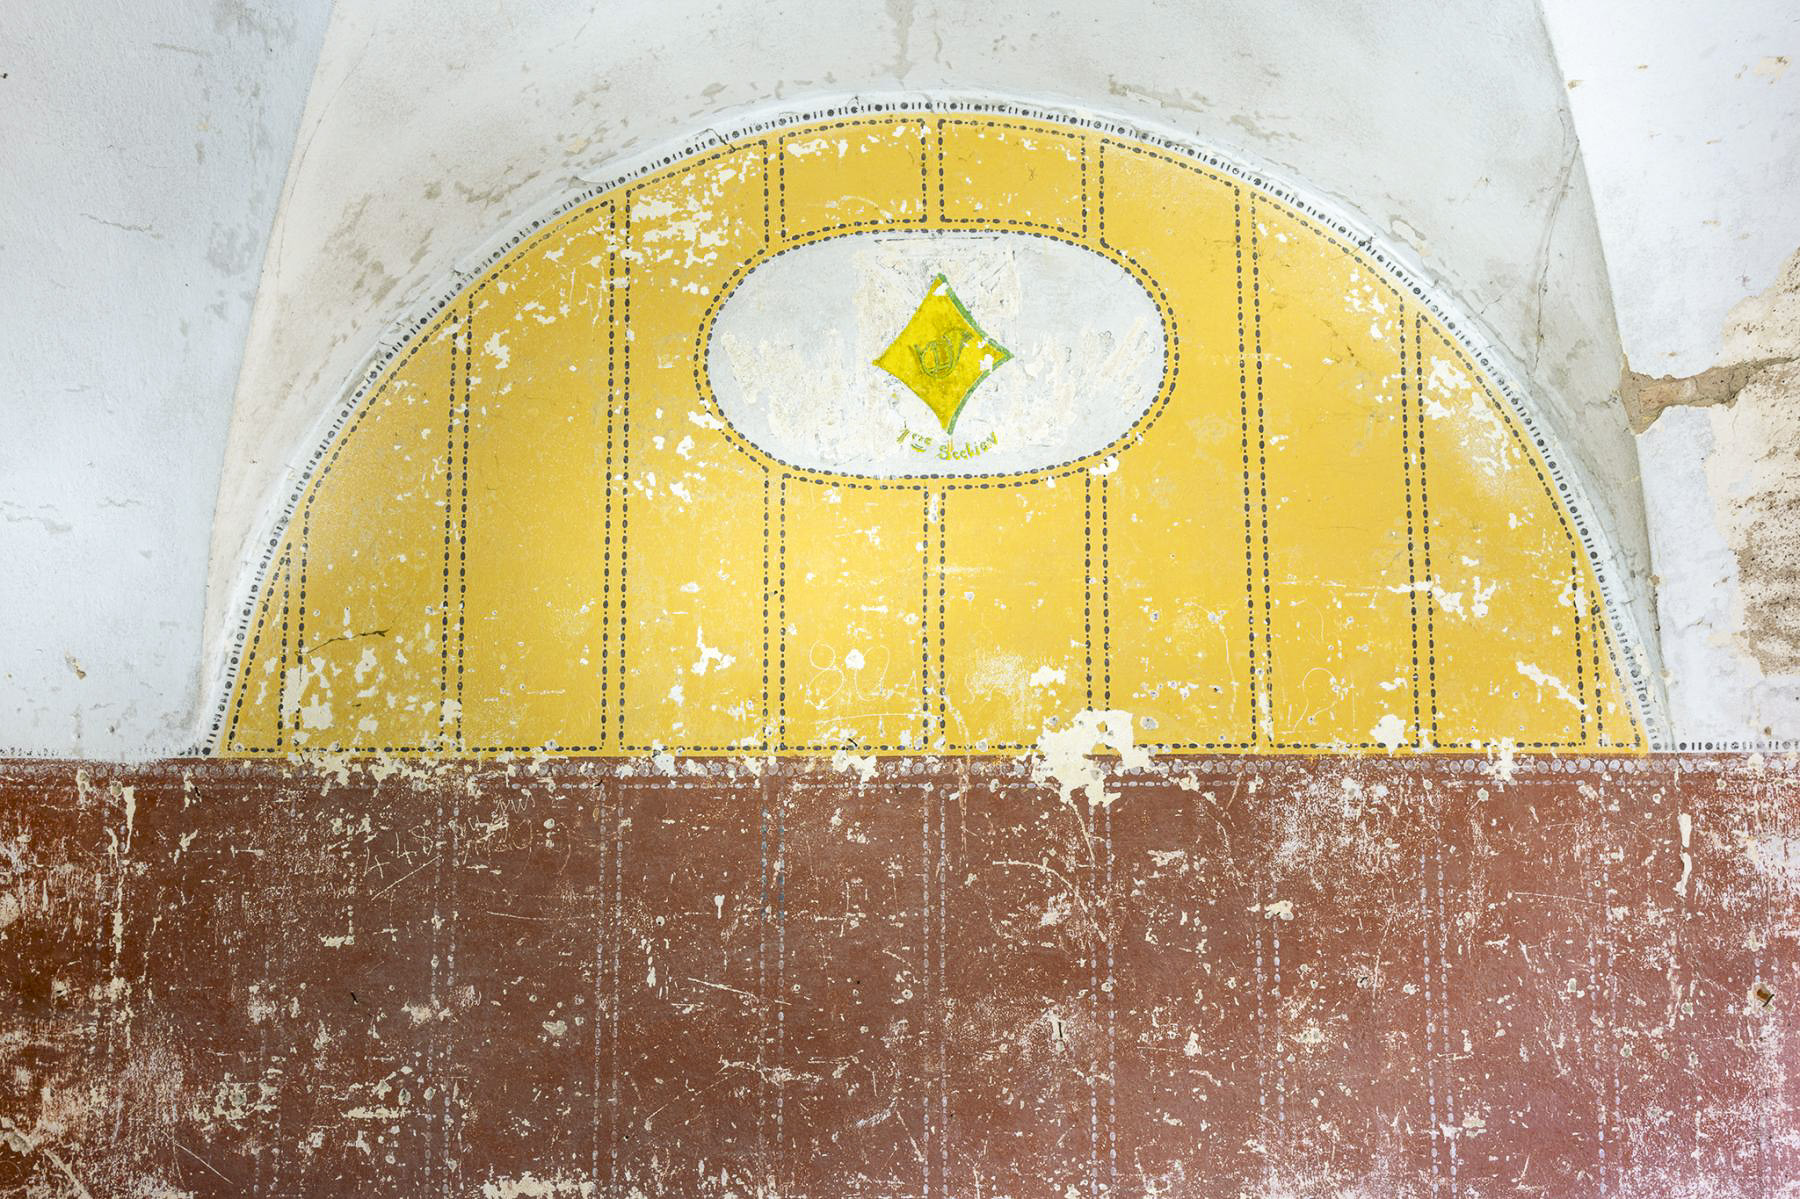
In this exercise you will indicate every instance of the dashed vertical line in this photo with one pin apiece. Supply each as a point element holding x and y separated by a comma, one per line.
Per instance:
<point>610,481</point>
<point>782,1157</point>
<point>1443,998</point>
<point>1425,913</point>
<point>447,1085</point>
<point>624,480</point>
<point>257,1186</point>
<point>602,1041</point>
<point>239,665</point>
<point>1594,1039</point>
<point>1597,629</point>
<point>433,1156</point>
<point>1100,190</point>
<point>1087,570</point>
<point>942,874</point>
<point>1237,227</point>
<point>281,684</point>
<point>1276,1031</point>
<point>924,171</point>
<point>781,617</point>
<point>1082,142</point>
<point>301,661</point>
<point>1264,699</point>
<point>942,207</point>
<point>1612,976</point>
<point>765,1159</point>
<point>618,930</point>
<point>770,734</point>
<point>1112,1017</point>
<point>462,525</point>
<point>458,348</point>
<point>1412,566</point>
<point>1263,1138</point>
<point>1087,818</point>
<point>925,701</point>
<point>1578,618</point>
<point>1419,440</point>
<point>781,214</point>
<point>1767,827</point>
<point>927,1008</point>
<point>1105,587</point>
<point>770,236</point>
<point>1610,931</point>
<point>943,720</point>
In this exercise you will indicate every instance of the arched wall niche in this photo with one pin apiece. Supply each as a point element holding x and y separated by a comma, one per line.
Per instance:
<point>1335,527</point>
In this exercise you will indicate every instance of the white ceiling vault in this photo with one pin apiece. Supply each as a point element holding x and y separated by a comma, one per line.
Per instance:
<point>149,210</point>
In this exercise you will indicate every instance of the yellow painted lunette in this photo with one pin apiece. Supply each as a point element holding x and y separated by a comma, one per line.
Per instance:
<point>1327,533</point>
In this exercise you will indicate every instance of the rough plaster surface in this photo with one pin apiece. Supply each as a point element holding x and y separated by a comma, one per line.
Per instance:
<point>1723,488</point>
<point>1690,130</point>
<point>500,110</point>
<point>1718,693</point>
<point>1753,476</point>
<point>143,155</point>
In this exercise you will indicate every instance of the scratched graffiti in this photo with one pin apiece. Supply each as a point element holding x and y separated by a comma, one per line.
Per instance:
<point>1258,976</point>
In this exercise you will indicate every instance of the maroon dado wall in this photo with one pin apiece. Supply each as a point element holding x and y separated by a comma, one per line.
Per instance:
<point>1269,977</point>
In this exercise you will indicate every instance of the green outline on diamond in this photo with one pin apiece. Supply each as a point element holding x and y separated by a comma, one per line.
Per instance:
<point>1006,355</point>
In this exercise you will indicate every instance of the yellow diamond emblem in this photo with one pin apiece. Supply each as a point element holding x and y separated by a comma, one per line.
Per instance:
<point>942,355</point>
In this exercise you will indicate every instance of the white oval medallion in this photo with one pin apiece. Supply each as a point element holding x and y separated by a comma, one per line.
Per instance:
<point>927,353</point>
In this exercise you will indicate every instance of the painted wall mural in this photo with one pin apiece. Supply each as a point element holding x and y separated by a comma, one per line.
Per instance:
<point>931,432</point>
<point>662,754</point>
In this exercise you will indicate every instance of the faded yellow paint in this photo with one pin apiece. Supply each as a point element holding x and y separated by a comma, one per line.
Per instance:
<point>688,668</point>
<point>1182,598</point>
<point>535,586</point>
<point>1328,532</point>
<point>1001,173</point>
<point>862,174</point>
<point>1015,637</point>
<point>1343,626</point>
<point>849,593</point>
<point>371,614</point>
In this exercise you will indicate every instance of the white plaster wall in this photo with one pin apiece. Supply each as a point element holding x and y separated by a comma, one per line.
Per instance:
<point>436,125</point>
<point>1689,116</point>
<point>142,150</point>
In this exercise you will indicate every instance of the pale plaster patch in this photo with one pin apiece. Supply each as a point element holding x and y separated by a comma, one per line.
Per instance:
<point>1067,755</point>
<point>1753,476</point>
